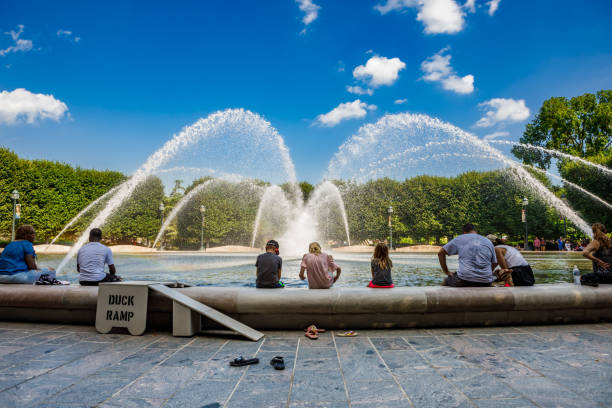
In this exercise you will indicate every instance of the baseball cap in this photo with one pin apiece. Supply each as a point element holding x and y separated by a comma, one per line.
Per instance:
<point>492,237</point>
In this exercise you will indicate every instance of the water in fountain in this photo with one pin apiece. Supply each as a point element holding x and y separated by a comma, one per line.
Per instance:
<point>257,150</point>
<point>410,134</point>
<point>603,169</point>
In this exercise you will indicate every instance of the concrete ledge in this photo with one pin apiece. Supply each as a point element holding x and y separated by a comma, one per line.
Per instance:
<point>293,308</point>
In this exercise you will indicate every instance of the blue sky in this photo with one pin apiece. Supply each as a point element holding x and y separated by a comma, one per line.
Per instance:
<point>107,84</point>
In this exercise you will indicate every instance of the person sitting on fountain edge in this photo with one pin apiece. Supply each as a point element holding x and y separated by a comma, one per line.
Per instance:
<point>269,266</point>
<point>515,270</point>
<point>599,251</point>
<point>91,259</point>
<point>18,261</point>
<point>320,268</point>
<point>476,257</point>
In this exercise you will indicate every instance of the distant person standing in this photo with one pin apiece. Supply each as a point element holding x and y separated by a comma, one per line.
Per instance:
<point>91,260</point>
<point>599,251</point>
<point>476,258</point>
<point>542,244</point>
<point>269,267</point>
<point>560,244</point>
<point>536,244</point>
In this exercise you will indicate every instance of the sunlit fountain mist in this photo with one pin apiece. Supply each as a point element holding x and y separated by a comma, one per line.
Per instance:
<point>295,226</point>
<point>412,134</point>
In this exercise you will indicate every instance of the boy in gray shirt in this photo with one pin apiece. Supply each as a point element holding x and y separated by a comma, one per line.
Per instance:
<point>269,266</point>
<point>476,257</point>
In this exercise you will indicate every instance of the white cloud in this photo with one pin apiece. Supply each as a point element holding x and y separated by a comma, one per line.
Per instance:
<point>344,111</point>
<point>470,5</point>
<point>19,43</point>
<point>359,90</point>
<point>493,5</point>
<point>503,110</point>
<point>379,71</point>
<point>438,16</point>
<point>68,34</point>
<point>437,68</point>
<point>311,12</point>
<point>23,104</point>
<point>495,135</point>
<point>400,101</point>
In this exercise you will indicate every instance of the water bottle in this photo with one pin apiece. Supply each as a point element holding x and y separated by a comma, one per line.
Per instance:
<point>576,273</point>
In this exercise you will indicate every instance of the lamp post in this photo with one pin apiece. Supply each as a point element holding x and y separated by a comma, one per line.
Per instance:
<point>15,197</point>
<point>525,203</point>
<point>564,197</point>
<point>390,211</point>
<point>161,211</point>
<point>202,211</point>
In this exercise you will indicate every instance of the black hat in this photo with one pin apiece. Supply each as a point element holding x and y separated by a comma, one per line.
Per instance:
<point>272,243</point>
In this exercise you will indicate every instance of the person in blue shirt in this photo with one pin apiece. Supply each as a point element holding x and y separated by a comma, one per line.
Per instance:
<point>18,260</point>
<point>560,244</point>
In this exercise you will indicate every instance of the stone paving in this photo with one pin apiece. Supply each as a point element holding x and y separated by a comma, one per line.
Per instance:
<point>528,366</point>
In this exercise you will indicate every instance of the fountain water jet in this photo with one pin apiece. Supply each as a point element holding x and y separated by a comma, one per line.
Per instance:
<point>83,212</point>
<point>605,170</point>
<point>216,125</point>
<point>373,141</point>
<point>186,199</point>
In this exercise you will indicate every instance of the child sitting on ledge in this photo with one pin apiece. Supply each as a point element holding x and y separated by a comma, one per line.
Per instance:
<point>381,268</point>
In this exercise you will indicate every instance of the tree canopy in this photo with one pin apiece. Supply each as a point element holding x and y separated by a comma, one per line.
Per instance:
<point>580,126</point>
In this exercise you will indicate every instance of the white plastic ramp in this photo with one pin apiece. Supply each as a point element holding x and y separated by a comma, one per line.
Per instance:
<point>207,311</point>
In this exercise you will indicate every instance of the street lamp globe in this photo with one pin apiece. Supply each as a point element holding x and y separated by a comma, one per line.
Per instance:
<point>525,201</point>
<point>15,195</point>
<point>202,209</point>
<point>390,210</point>
<point>161,207</point>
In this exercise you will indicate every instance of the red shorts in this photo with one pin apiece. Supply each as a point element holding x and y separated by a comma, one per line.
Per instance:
<point>371,285</point>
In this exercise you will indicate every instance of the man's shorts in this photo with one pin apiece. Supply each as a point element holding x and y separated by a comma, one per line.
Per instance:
<point>107,278</point>
<point>456,282</point>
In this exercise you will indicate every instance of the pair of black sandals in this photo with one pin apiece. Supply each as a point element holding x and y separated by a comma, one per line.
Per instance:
<point>277,362</point>
<point>45,279</point>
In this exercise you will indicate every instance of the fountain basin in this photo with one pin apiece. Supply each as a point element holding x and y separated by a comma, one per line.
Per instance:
<point>337,308</point>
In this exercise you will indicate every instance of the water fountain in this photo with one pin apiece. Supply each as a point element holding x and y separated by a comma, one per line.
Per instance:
<point>396,146</point>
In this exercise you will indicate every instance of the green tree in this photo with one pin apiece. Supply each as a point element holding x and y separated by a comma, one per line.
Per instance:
<point>580,126</point>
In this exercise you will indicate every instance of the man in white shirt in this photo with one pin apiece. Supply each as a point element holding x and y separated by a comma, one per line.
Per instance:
<point>91,259</point>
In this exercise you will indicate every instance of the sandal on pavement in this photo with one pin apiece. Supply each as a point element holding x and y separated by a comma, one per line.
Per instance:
<point>278,363</point>
<point>241,361</point>
<point>312,327</point>
<point>311,334</point>
<point>349,333</point>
